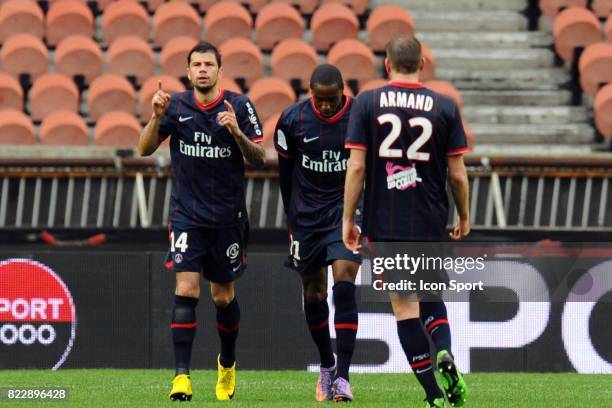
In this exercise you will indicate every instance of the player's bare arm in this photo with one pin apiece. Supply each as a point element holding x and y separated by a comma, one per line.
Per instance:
<point>149,137</point>
<point>253,152</point>
<point>460,188</point>
<point>353,186</point>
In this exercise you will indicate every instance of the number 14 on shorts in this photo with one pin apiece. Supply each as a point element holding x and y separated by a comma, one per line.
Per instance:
<point>180,243</point>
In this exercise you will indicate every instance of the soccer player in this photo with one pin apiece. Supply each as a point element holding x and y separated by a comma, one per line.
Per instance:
<point>309,138</point>
<point>405,139</point>
<point>211,130</point>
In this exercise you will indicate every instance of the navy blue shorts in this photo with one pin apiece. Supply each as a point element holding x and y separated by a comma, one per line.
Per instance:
<point>312,250</point>
<point>218,253</point>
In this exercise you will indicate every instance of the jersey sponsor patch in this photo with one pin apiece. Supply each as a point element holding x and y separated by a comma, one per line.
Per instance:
<point>281,140</point>
<point>400,177</point>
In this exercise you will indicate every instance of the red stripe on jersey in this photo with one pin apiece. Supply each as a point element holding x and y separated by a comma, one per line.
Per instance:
<point>319,327</point>
<point>351,326</point>
<point>409,85</point>
<point>183,325</point>
<point>334,118</point>
<point>285,155</point>
<point>456,152</point>
<point>257,140</point>
<point>209,106</point>
<point>421,363</point>
<point>227,329</point>
<point>436,323</point>
<point>169,265</point>
<point>358,146</point>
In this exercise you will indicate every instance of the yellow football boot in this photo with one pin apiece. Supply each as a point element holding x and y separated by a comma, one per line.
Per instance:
<point>226,381</point>
<point>181,388</point>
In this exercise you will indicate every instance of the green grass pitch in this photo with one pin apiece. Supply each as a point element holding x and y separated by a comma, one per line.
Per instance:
<point>149,388</point>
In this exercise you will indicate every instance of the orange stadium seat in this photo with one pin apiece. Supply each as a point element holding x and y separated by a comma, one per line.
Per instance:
<point>230,85</point>
<point>227,20</point>
<point>66,18</point>
<point>79,55</point>
<point>63,128</point>
<point>595,67</point>
<point>131,56</point>
<point>173,57</point>
<point>276,22</point>
<point>24,54</point>
<point>173,20</point>
<point>386,22</point>
<point>21,17</point>
<point>253,5</point>
<point>268,141</point>
<point>575,27</point>
<point>242,59</point>
<point>110,93</point>
<point>331,23</point>
<point>429,70</point>
<point>551,8</point>
<point>354,59</point>
<point>603,8</point>
<point>117,129</point>
<point>294,59</point>
<point>53,92</point>
<point>305,6</point>
<point>603,111</point>
<point>16,128</point>
<point>608,28</point>
<point>125,18</point>
<point>447,89</point>
<point>11,94</point>
<point>358,6</point>
<point>149,87</point>
<point>373,84</point>
<point>271,95</point>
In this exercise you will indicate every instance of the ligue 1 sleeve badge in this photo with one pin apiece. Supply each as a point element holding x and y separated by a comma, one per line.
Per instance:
<point>37,315</point>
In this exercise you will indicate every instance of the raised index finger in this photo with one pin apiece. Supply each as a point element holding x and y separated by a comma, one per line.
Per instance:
<point>159,86</point>
<point>229,106</point>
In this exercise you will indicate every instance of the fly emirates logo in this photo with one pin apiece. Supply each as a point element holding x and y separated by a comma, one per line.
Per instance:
<point>202,147</point>
<point>330,162</point>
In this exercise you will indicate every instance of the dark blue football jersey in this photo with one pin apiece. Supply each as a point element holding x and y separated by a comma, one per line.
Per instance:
<point>316,146</point>
<point>208,189</point>
<point>408,132</point>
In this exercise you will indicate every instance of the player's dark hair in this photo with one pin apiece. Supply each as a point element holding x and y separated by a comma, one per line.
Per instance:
<point>404,54</point>
<point>326,74</point>
<point>203,47</point>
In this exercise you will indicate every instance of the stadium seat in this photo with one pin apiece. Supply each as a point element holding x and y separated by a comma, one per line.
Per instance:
<point>429,70</point>
<point>21,17</point>
<point>268,141</point>
<point>16,128</point>
<point>53,92</point>
<point>173,57</point>
<point>270,96</point>
<point>358,6</point>
<point>175,19</point>
<point>149,87</point>
<point>608,28</point>
<point>254,6</point>
<point>125,18</point>
<point>595,67</point>
<point>373,84</point>
<point>603,8</point>
<point>331,23</point>
<point>24,54</point>
<point>447,89</point>
<point>242,60</point>
<point>227,20</point>
<point>131,56</point>
<point>66,18</point>
<point>354,59</point>
<point>64,128</point>
<point>575,27</point>
<point>304,6</point>
<point>117,129</point>
<point>603,111</point>
<point>294,59</point>
<point>386,22</point>
<point>79,55</point>
<point>110,93</point>
<point>551,8</point>
<point>230,85</point>
<point>11,93</point>
<point>276,22</point>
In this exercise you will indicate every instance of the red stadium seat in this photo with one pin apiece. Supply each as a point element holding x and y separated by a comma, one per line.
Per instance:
<point>331,23</point>
<point>24,54</point>
<point>63,128</point>
<point>386,22</point>
<point>354,59</point>
<point>304,6</point>
<point>253,5</point>
<point>16,128</point>
<point>230,85</point>
<point>53,92</point>
<point>595,66</point>
<point>294,59</point>
<point>603,8</point>
<point>270,96</point>
<point>110,93</point>
<point>131,56</point>
<point>21,17</point>
<point>447,89</point>
<point>358,6</point>
<point>66,18</point>
<point>149,87</point>
<point>175,19</point>
<point>575,27</point>
<point>227,20</point>
<point>242,59</point>
<point>608,29</point>
<point>551,8</point>
<point>603,111</point>
<point>173,57</point>
<point>79,55</point>
<point>117,129</point>
<point>125,18</point>
<point>373,84</point>
<point>429,70</point>
<point>276,22</point>
<point>11,94</point>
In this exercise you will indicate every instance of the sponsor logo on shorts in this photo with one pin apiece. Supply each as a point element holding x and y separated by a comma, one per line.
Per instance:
<point>178,258</point>
<point>233,251</point>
